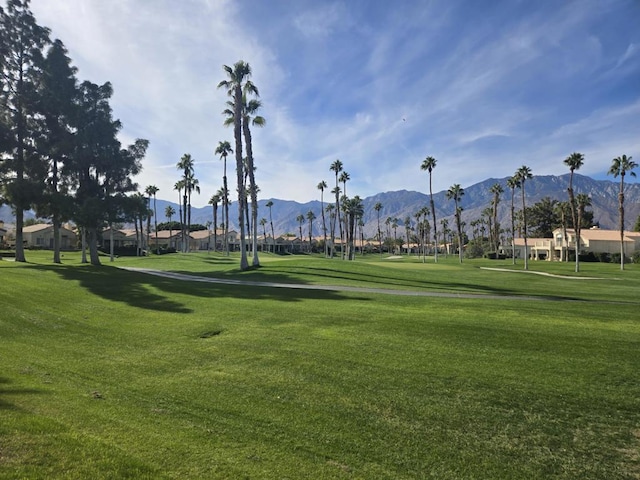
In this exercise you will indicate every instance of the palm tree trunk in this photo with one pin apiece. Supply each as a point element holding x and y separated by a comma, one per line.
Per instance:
<point>621,210</point>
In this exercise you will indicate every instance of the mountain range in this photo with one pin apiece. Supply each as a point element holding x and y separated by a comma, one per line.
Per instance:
<point>403,203</point>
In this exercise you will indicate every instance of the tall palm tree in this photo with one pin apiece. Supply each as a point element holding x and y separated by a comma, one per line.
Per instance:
<point>524,174</point>
<point>311,217</point>
<point>513,183</point>
<point>429,164</point>
<point>394,227</point>
<point>192,184</point>
<point>332,220</point>
<point>214,201</point>
<point>497,190</point>
<point>300,220</point>
<point>224,149</point>
<point>321,186</point>
<point>186,164</point>
<point>574,162</point>
<point>445,230</point>
<point>236,78</point>
<point>269,205</point>
<point>249,116</point>
<point>336,167</point>
<point>407,232</point>
<point>263,223</point>
<point>152,190</point>
<point>179,186</point>
<point>455,193</point>
<point>377,207</point>
<point>169,212</point>
<point>620,166</point>
<point>353,209</point>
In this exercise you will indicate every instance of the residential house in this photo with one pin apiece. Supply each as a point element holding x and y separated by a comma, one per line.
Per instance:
<point>41,236</point>
<point>596,240</point>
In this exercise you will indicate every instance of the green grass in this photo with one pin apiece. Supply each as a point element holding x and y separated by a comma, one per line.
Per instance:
<point>114,374</point>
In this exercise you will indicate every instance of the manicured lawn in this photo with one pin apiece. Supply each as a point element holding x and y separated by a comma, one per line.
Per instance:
<point>115,374</point>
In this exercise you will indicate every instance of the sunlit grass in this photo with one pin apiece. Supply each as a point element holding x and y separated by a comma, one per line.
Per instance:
<point>115,374</point>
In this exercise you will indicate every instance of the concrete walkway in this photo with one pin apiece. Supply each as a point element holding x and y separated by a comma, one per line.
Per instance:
<point>335,288</point>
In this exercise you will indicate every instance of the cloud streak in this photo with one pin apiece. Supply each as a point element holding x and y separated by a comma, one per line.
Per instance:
<point>483,88</point>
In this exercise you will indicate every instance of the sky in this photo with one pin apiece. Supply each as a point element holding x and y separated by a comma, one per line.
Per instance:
<point>483,86</point>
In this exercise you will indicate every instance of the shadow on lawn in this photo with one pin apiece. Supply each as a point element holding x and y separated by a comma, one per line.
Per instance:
<point>116,285</point>
<point>133,289</point>
<point>5,391</point>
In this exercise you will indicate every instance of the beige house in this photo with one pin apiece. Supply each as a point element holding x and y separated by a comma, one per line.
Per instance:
<point>592,240</point>
<point>3,234</point>
<point>41,236</point>
<point>596,240</point>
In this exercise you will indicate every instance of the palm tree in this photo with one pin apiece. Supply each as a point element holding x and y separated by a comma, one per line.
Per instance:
<point>249,117</point>
<point>353,209</point>
<point>300,220</point>
<point>582,202</point>
<point>336,167</point>
<point>445,230</point>
<point>169,212</point>
<point>574,162</point>
<point>429,164</point>
<point>152,190</point>
<point>192,184</point>
<point>394,227</point>
<point>186,165</point>
<point>321,186</point>
<point>224,149</point>
<point>213,201</point>
<point>513,183</point>
<point>620,166</point>
<point>497,190</point>
<point>524,174</point>
<point>455,193</point>
<point>311,217</point>
<point>237,76</point>
<point>377,207</point>
<point>407,231</point>
<point>179,186</point>
<point>332,220</point>
<point>263,223</point>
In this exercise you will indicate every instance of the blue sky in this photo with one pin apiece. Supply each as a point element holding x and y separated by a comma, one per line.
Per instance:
<point>484,86</point>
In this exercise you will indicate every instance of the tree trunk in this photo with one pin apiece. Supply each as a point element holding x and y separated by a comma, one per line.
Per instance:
<point>93,246</point>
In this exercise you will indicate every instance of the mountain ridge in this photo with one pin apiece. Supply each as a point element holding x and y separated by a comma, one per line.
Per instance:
<point>402,203</point>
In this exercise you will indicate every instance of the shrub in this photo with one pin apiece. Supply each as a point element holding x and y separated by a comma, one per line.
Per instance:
<point>635,256</point>
<point>603,257</point>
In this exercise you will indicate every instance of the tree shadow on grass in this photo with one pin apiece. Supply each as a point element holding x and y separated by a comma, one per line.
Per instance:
<point>7,390</point>
<point>116,285</point>
<point>135,288</point>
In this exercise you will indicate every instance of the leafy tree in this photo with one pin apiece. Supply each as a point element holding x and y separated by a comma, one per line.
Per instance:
<point>455,193</point>
<point>543,218</point>
<point>100,168</point>
<point>620,166</point>
<point>57,93</point>
<point>321,186</point>
<point>22,42</point>
<point>636,226</point>
<point>523,174</point>
<point>429,164</point>
<point>574,162</point>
